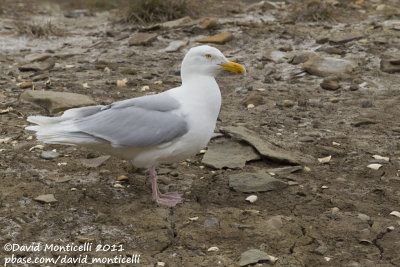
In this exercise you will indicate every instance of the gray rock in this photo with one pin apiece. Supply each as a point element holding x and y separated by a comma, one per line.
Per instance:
<point>142,38</point>
<point>285,170</point>
<point>330,83</point>
<point>175,46</point>
<point>275,56</point>
<point>228,154</point>
<point>255,182</point>
<point>37,57</point>
<point>363,217</point>
<point>94,162</point>
<point>56,101</point>
<point>37,66</point>
<point>341,38</point>
<point>48,198</point>
<point>253,256</point>
<point>211,222</point>
<point>49,155</point>
<point>301,58</point>
<point>265,148</point>
<point>176,23</point>
<point>322,249</point>
<point>328,66</point>
<point>390,65</point>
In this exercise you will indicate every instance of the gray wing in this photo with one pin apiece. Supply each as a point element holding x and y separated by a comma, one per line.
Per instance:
<point>137,122</point>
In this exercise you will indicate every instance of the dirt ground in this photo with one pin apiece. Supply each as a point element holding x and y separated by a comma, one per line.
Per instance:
<point>333,214</point>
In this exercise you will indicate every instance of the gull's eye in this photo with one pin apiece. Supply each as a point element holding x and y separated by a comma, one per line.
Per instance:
<point>208,56</point>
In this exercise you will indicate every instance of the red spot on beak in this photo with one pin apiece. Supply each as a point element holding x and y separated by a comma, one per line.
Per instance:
<point>239,72</point>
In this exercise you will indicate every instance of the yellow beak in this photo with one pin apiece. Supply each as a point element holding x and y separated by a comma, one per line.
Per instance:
<point>234,67</point>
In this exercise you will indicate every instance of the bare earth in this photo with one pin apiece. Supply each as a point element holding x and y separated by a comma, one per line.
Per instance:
<point>333,214</point>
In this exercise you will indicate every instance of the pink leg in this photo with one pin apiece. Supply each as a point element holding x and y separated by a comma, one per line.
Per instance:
<point>167,199</point>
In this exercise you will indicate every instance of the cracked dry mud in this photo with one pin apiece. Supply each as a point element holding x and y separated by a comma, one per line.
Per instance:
<point>333,214</point>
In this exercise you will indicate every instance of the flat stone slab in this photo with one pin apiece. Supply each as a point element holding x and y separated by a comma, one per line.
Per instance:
<point>228,154</point>
<point>328,66</point>
<point>265,148</point>
<point>344,37</point>
<point>142,38</point>
<point>221,38</point>
<point>37,66</point>
<point>55,102</point>
<point>253,256</point>
<point>48,198</point>
<point>285,170</point>
<point>94,162</point>
<point>260,181</point>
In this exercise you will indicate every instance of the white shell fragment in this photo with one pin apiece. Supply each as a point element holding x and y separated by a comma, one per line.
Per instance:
<point>335,144</point>
<point>249,106</point>
<point>374,166</point>
<point>194,218</point>
<point>213,249</point>
<point>252,198</point>
<point>325,159</point>
<point>381,158</point>
<point>36,147</point>
<point>395,213</point>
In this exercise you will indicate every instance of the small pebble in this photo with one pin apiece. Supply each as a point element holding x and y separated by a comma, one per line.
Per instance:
<point>49,155</point>
<point>287,103</point>
<point>213,249</point>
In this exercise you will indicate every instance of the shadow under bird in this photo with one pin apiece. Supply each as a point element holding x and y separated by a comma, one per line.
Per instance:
<point>149,130</point>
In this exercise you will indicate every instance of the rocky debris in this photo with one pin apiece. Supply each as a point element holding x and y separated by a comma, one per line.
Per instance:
<point>330,83</point>
<point>301,58</point>
<point>40,77</point>
<point>332,50</point>
<point>260,181</point>
<point>48,198</point>
<point>37,66</point>
<point>211,222</point>
<point>265,148</point>
<point>175,23</point>
<point>209,23</point>
<point>341,38</point>
<point>220,38</point>
<point>287,103</point>
<point>252,256</point>
<point>228,154</point>
<point>363,217</point>
<point>129,70</point>
<point>328,66</point>
<point>390,65</point>
<point>94,162</point>
<point>49,154</point>
<point>175,46</point>
<point>321,249</point>
<point>37,57</point>
<point>142,38</point>
<point>275,56</point>
<point>26,84</point>
<point>285,170</point>
<point>56,101</point>
<point>254,98</point>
